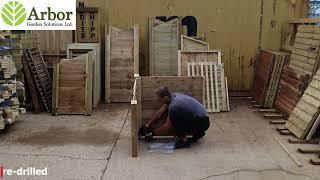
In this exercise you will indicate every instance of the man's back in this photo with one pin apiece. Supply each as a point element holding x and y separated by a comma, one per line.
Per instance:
<point>185,107</point>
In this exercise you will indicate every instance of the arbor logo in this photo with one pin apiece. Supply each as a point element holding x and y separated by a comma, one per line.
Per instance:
<point>13,13</point>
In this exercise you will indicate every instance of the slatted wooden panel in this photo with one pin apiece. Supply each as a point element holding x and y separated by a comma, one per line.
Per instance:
<point>185,57</point>
<point>192,86</point>
<point>73,86</point>
<point>122,63</point>
<point>280,60</point>
<point>291,88</point>
<point>305,53</point>
<point>215,99</point>
<point>263,67</point>
<point>307,110</point>
<point>191,44</point>
<point>164,44</point>
<point>77,49</point>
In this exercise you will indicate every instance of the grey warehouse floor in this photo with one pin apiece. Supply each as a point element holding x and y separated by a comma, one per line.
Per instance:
<point>240,146</point>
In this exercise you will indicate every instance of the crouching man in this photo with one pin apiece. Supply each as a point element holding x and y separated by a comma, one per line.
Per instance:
<point>184,116</point>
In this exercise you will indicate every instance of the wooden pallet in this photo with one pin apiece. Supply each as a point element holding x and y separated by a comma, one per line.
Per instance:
<point>40,75</point>
<point>37,104</point>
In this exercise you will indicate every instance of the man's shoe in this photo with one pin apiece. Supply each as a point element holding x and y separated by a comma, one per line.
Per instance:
<point>180,144</point>
<point>196,137</point>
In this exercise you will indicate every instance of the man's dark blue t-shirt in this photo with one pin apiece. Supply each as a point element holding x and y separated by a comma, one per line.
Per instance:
<point>185,112</point>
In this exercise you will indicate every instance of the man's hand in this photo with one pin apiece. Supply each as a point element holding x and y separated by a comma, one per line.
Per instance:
<point>146,132</point>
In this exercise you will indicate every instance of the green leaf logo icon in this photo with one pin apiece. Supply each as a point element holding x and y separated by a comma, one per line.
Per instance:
<point>13,13</point>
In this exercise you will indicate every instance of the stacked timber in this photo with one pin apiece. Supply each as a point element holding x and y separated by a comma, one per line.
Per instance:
<point>291,88</point>
<point>304,119</point>
<point>268,71</point>
<point>9,103</point>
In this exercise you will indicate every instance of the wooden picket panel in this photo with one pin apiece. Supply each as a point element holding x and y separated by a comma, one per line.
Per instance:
<point>215,96</point>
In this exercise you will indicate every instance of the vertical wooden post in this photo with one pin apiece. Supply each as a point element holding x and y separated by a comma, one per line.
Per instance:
<point>134,128</point>
<point>135,117</point>
<point>136,48</point>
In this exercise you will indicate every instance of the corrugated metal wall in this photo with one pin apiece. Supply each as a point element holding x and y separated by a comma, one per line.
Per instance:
<point>234,26</point>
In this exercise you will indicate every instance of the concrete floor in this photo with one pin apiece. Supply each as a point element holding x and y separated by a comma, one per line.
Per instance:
<point>240,145</point>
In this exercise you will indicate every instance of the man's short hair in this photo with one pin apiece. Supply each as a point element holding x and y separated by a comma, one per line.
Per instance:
<point>163,91</point>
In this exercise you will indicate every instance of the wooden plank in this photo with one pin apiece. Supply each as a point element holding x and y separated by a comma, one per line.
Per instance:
<point>315,162</point>
<point>296,161</point>
<point>267,110</point>
<point>227,95</point>
<point>285,132</point>
<point>277,122</point>
<point>299,141</point>
<point>309,151</point>
<point>272,115</point>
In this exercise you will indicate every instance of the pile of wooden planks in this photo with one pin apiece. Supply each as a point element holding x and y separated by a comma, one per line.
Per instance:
<point>304,120</point>
<point>164,40</point>
<point>305,52</point>
<point>291,88</point>
<point>216,89</point>
<point>9,103</point>
<point>72,86</point>
<point>38,79</point>
<point>122,63</point>
<point>145,102</point>
<point>268,71</point>
<point>78,49</point>
<point>19,42</point>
